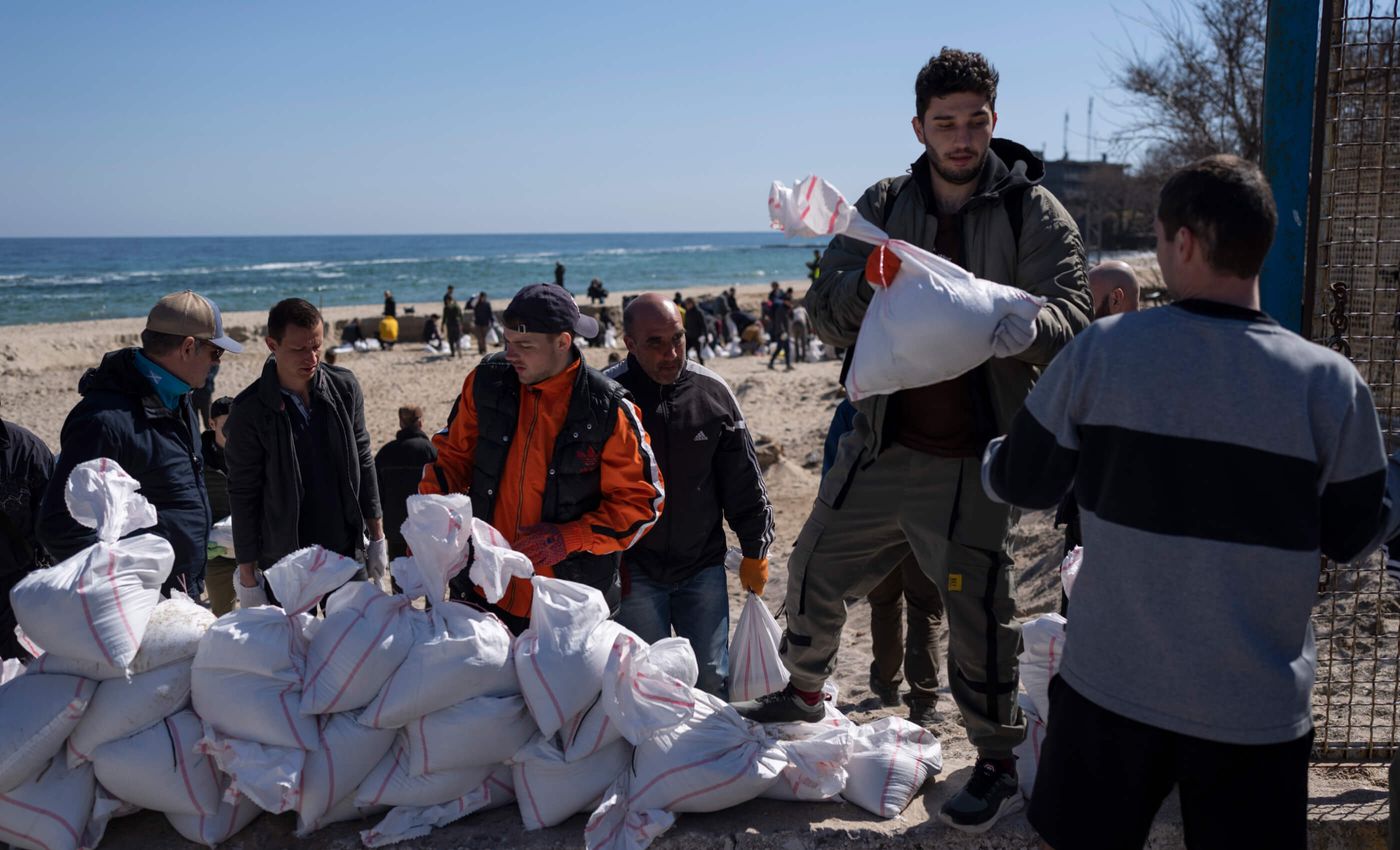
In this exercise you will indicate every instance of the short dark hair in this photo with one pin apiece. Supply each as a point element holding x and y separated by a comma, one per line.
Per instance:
<point>410,415</point>
<point>1226,203</point>
<point>292,311</point>
<point>157,343</point>
<point>953,71</point>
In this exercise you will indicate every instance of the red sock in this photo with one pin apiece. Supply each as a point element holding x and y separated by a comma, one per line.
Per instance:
<point>809,697</point>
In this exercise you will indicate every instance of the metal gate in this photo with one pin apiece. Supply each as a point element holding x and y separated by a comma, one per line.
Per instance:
<point>1351,306</point>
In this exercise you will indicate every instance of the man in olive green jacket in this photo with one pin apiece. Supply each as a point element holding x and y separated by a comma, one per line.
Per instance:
<point>907,477</point>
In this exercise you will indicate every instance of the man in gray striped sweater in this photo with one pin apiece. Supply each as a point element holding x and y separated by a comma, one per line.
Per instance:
<point>1214,455</point>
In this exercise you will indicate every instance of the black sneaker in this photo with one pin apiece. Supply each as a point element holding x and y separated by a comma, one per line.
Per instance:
<point>989,794</point>
<point>888,692</point>
<point>924,712</point>
<point>784,706</point>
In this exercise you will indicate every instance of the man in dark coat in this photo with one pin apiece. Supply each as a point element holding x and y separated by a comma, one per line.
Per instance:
<point>399,468</point>
<point>26,465</point>
<point>136,410</point>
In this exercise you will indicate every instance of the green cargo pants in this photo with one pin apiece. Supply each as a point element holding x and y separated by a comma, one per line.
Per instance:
<point>867,517</point>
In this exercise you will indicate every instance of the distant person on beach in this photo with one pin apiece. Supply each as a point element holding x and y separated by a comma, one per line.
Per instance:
<point>136,410</point>
<point>398,467</point>
<point>1211,484</point>
<point>431,336</point>
<point>299,465</point>
<point>597,293</point>
<point>329,356</point>
<point>697,329</point>
<point>590,487</point>
<point>559,275</point>
<point>448,295</point>
<point>220,566</point>
<point>26,465</point>
<point>482,318</point>
<point>814,266</point>
<point>800,329</point>
<point>391,307</point>
<point>780,319</point>
<point>900,480</point>
<point>388,332</point>
<point>350,333</point>
<point>675,575</point>
<point>452,324</point>
<point>203,397</point>
<point>731,297</point>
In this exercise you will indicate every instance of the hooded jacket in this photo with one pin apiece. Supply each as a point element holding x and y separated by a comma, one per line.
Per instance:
<point>265,489</point>
<point>1047,260</point>
<point>706,454</point>
<point>121,417</point>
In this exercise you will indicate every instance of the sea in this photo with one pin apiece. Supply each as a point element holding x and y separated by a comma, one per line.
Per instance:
<point>70,279</point>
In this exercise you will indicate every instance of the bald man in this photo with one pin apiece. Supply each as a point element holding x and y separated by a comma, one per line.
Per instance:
<point>1114,286</point>
<point>674,578</point>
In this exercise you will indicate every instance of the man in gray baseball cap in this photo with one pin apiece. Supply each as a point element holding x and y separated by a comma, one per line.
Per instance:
<point>136,410</point>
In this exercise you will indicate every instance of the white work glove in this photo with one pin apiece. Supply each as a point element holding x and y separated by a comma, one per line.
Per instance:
<point>249,597</point>
<point>1013,335</point>
<point>377,560</point>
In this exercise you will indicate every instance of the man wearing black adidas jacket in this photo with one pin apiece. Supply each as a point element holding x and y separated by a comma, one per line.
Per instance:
<point>674,577</point>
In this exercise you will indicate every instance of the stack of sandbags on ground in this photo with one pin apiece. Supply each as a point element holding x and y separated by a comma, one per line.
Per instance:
<point>281,692</point>
<point>91,613</point>
<point>452,709</point>
<point>1042,647</point>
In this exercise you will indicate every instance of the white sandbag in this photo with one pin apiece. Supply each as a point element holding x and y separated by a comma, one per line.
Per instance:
<point>249,667</point>
<point>37,713</point>
<point>438,530</point>
<point>221,538</point>
<point>389,783</point>
<point>613,826</point>
<point>1042,647</point>
<point>122,707</point>
<point>550,790</point>
<point>712,761</point>
<point>645,689</point>
<point>215,829</point>
<point>468,654</point>
<point>51,810</point>
<point>706,352</point>
<point>755,665</point>
<point>366,635</point>
<point>172,634</point>
<point>934,321</point>
<point>481,730</point>
<point>1069,569</point>
<point>160,768</point>
<point>890,761</point>
<point>816,768</point>
<point>269,776</point>
<point>94,606</point>
<point>10,668</point>
<point>348,751</point>
<point>560,658</point>
<point>1027,752</point>
<point>405,822</point>
<point>494,563</point>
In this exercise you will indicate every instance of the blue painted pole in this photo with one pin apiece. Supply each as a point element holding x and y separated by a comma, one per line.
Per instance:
<point>1290,70</point>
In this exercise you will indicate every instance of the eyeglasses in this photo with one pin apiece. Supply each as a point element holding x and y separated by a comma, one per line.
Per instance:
<point>215,353</point>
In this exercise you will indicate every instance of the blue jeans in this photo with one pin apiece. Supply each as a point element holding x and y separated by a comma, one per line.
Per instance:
<point>698,609</point>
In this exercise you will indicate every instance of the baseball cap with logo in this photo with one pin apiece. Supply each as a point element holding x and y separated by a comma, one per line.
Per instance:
<point>543,308</point>
<point>190,314</point>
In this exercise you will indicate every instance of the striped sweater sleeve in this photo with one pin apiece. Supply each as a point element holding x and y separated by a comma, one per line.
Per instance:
<point>1033,466</point>
<point>1354,489</point>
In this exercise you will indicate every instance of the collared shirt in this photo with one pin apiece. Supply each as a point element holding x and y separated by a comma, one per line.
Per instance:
<point>168,387</point>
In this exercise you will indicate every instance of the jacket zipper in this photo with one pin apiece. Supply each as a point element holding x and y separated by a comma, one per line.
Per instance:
<point>525,458</point>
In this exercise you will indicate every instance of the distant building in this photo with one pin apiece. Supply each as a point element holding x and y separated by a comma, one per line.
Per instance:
<point>1102,197</point>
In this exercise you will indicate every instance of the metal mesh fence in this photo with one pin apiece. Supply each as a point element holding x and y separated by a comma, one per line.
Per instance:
<point>1353,288</point>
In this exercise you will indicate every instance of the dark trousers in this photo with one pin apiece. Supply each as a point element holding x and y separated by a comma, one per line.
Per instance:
<point>906,585</point>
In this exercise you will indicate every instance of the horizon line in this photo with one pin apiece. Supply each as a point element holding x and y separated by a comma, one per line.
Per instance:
<point>361,235</point>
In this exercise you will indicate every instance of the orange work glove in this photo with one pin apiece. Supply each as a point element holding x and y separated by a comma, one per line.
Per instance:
<point>753,574</point>
<point>881,266</point>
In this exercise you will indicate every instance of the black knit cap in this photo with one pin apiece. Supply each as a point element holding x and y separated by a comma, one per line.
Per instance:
<point>544,308</point>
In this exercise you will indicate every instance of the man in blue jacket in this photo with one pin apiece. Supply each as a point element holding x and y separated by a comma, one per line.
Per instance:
<point>136,409</point>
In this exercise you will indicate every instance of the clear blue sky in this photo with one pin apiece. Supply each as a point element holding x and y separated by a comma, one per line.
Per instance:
<point>180,118</point>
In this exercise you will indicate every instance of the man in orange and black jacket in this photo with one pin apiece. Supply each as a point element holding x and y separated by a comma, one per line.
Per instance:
<point>551,452</point>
